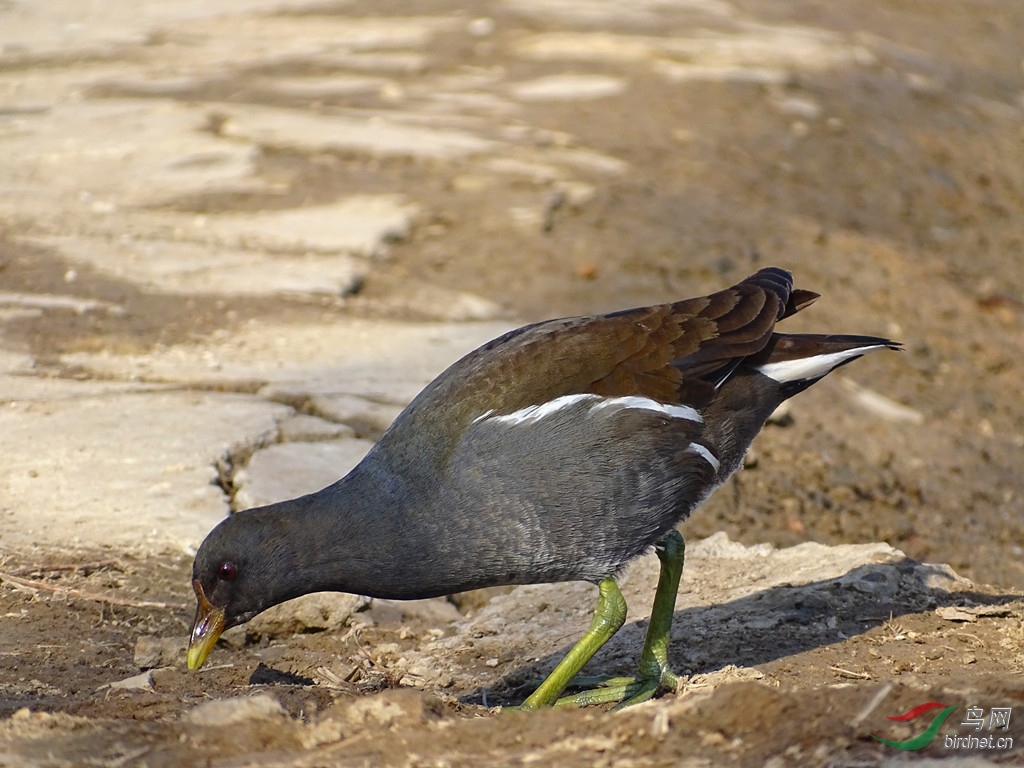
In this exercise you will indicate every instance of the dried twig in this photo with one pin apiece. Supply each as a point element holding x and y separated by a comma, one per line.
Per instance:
<point>850,674</point>
<point>89,567</point>
<point>109,599</point>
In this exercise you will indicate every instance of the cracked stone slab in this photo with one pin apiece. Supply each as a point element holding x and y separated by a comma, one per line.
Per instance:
<point>357,224</point>
<point>122,467</point>
<point>609,12</point>
<point>233,712</point>
<point>358,412</point>
<point>378,134</point>
<point>288,470</point>
<point>293,251</point>
<point>285,37</point>
<point>56,27</point>
<point>116,152</point>
<point>569,87</point>
<point>398,62</point>
<point>706,54</point>
<point>133,465</point>
<point>588,160</point>
<point>384,361</point>
<point>316,612</point>
<point>304,428</point>
<point>188,268</point>
<point>435,302</point>
<point>52,301</point>
<point>323,87</point>
<point>15,362</point>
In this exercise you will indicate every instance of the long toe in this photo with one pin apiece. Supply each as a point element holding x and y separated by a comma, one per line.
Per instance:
<point>623,691</point>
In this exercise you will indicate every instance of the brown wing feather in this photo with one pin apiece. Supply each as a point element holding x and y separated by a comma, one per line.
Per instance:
<point>668,352</point>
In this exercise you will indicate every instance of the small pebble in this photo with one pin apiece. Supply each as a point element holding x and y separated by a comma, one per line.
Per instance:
<point>481,27</point>
<point>225,712</point>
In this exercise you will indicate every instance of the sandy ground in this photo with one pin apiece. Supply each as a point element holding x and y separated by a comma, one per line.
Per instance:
<point>510,163</point>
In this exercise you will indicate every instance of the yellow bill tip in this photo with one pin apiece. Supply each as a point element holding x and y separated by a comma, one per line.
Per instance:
<point>207,628</point>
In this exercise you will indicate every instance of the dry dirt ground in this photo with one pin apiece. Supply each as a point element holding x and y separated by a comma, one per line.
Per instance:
<point>895,188</point>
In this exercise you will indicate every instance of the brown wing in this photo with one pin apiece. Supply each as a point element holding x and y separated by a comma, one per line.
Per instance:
<point>672,353</point>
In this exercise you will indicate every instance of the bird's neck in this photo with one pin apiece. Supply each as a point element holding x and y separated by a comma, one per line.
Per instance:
<point>350,536</point>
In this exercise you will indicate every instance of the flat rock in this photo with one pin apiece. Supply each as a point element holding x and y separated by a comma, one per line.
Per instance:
<point>284,37</point>
<point>16,362</point>
<point>401,62</point>
<point>772,598</point>
<point>358,224</point>
<point>433,302</point>
<point>143,682</point>
<point>134,465</point>
<point>432,611</point>
<point>389,709</point>
<point>584,12</point>
<point>43,301</point>
<point>287,470</point>
<point>762,46</point>
<point>97,156</point>
<point>305,428</point>
<point>190,268</point>
<point>152,652</point>
<point>128,468</point>
<point>105,27</point>
<point>361,414</point>
<point>230,712</point>
<point>569,87</point>
<point>316,612</point>
<point>385,136</point>
<point>351,356</point>
<point>330,86</point>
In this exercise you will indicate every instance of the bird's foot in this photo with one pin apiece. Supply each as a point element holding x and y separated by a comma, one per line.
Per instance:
<point>623,691</point>
<point>620,691</point>
<point>653,675</point>
<point>608,617</point>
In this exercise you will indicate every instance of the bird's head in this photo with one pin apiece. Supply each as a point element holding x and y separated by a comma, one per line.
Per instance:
<point>237,574</point>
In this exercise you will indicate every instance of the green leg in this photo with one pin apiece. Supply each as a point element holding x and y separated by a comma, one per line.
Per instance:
<point>653,674</point>
<point>608,617</point>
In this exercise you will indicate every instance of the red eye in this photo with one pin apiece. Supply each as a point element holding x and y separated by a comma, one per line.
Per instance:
<point>227,571</point>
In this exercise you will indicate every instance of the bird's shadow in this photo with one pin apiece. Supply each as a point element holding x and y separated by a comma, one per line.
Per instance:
<point>778,622</point>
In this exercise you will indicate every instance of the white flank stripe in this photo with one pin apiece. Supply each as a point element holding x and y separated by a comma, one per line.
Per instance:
<point>646,404</point>
<point>810,367</point>
<point>483,416</point>
<point>536,412</point>
<point>705,454</point>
